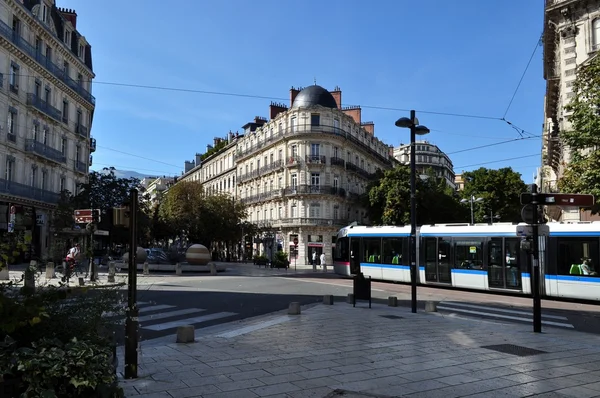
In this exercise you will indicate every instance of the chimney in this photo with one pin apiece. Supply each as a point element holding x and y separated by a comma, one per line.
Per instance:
<point>198,159</point>
<point>69,15</point>
<point>275,109</point>
<point>337,95</point>
<point>293,93</point>
<point>229,137</point>
<point>188,166</point>
<point>208,147</point>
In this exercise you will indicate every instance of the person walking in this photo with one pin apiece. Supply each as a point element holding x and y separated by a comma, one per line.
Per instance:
<point>314,260</point>
<point>323,262</point>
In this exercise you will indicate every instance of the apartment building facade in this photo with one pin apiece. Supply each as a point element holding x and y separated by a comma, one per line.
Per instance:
<point>46,112</point>
<point>428,156</point>
<point>571,37</point>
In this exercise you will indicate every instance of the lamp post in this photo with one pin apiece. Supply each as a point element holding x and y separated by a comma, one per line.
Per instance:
<point>471,200</point>
<point>492,217</point>
<point>415,129</point>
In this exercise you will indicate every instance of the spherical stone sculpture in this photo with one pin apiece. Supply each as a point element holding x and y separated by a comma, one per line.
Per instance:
<point>140,256</point>
<point>197,254</point>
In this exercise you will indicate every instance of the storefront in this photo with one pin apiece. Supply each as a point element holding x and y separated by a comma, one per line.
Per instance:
<point>29,220</point>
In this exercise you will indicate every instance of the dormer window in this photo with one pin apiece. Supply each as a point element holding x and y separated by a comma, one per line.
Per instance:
<point>81,51</point>
<point>596,34</point>
<point>44,13</point>
<point>68,37</point>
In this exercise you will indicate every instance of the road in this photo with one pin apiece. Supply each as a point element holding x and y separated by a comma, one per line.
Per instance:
<point>246,291</point>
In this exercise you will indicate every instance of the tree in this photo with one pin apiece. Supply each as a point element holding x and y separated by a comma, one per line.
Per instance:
<point>389,199</point>
<point>181,208</point>
<point>61,222</point>
<point>582,174</point>
<point>500,189</point>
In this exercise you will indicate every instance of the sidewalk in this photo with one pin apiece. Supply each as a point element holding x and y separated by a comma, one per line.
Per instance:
<point>384,350</point>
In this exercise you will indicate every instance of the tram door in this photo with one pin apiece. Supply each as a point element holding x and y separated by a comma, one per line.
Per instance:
<point>355,256</point>
<point>437,260</point>
<point>504,271</point>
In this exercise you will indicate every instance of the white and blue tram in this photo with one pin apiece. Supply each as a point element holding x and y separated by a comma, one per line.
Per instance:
<point>479,257</point>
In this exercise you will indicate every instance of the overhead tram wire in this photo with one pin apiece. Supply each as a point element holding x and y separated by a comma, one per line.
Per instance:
<point>494,144</point>
<point>138,156</point>
<point>497,161</point>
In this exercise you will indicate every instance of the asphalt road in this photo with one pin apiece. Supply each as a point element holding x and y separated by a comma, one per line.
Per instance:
<point>246,291</point>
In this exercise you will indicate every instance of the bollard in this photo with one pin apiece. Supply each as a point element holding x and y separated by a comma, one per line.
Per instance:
<point>50,271</point>
<point>111,272</point>
<point>328,299</point>
<point>146,268</point>
<point>29,276</point>
<point>185,334</point>
<point>81,281</point>
<point>392,301</point>
<point>213,268</point>
<point>178,270</point>
<point>294,309</point>
<point>430,306</point>
<point>350,298</point>
<point>4,274</point>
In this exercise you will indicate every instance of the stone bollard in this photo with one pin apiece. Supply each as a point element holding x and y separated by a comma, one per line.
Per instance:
<point>350,298</point>
<point>146,268</point>
<point>111,272</point>
<point>430,306</point>
<point>294,309</point>
<point>50,271</point>
<point>81,281</point>
<point>328,299</point>
<point>4,274</point>
<point>186,334</point>
<point>213,268</point>
<point>392,301</point>
<point>178,270</point>
<point>29,276</point>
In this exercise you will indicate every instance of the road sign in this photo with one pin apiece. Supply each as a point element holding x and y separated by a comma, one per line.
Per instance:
<point>295,241</point>
<point>527,230</point>
<point>85,216</point>
<point>559,199</point>
<point>528,215</point>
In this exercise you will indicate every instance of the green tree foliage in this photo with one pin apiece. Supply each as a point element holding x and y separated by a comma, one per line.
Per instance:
<point>500,189</point>
<point>389,199</point>
<point>582,174</point>
<point>201,218</point>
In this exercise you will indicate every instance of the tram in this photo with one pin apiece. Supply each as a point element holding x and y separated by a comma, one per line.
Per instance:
<point>478,257</point>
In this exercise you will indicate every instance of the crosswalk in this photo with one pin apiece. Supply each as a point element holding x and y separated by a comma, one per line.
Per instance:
<point>498,313</point>
<point>166,317</point>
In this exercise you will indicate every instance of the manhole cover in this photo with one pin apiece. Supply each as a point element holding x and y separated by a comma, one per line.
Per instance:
<point>514,349</point>
<point>391,316</point>
<point>352,394</point>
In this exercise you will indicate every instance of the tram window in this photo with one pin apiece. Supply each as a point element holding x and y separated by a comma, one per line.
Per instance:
<point>468,254</point>
<point>578,256</point>
<point>495,253</point>
<point>372,250</point>
<point>342,249</point>
<point>392,251</point>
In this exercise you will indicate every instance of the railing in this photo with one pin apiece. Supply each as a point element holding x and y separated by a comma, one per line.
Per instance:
<point>27,191</point>
<point>295,190</point>
<point>315,159</point>
<point>11,137</point>
<point>310,221</point>
<point>58,72</point>
<point>335,161</point>
<point>92,145</point>
<point>43,150</point>
<point>81,130</point>
<point>308,129</point>
<point>294,161</point>
<point>43,106</point>
<point>80,166</point>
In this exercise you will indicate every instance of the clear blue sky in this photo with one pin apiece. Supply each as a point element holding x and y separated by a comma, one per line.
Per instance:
<point>462,56</point>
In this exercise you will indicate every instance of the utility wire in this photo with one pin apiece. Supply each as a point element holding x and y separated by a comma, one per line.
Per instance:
<point>494,144</point>
<point>497,161</point>
<point>137,156</point>
<point>537,44</point>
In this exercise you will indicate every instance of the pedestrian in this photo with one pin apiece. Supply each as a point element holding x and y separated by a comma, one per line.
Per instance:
<point>314,260</point>
<point>323,262</point>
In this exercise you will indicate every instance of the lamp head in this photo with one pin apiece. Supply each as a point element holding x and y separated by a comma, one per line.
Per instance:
<point>403,122</point>
<point>421,130</point>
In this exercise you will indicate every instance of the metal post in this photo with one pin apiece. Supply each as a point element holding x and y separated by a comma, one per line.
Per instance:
<point>472,215</point>
<point>131,323</point>
<point>535,272</point>
<point>413,215</point>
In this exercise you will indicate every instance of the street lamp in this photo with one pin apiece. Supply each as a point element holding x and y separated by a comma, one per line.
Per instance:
<point>412,123</point>
<point>471,200</point>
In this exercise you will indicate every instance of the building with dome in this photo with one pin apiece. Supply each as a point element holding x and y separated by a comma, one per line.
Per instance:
<point>300,172</point>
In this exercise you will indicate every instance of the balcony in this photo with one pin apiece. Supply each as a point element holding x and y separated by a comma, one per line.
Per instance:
<point>81,130</point>
<point>11,137</point>
<point>314,190</point>
<point>315,159</point>
<point>28,192</point>
<point>324,222</point>
<point>44,107</point>
<point>7,32</point>
<point>92,145</point>
<point>80,166</point>
<point>335,161</point>
<point>45,151</point>
<point>294,161</point>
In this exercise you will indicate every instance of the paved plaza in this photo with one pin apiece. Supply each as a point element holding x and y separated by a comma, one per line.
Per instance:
<point>337,350</point>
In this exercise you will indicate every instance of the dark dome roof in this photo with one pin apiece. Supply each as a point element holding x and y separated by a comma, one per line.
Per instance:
<point>314,95</point>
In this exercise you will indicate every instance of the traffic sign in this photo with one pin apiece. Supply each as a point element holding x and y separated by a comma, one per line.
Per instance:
<point>527,230</point>
<point>559,199</point>
<point>528,215</point>
<point>295,241</point>
<point>85,216</point>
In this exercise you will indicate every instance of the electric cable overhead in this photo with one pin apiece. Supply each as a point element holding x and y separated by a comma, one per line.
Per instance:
<point>137,156</point>
<point>497,161</point>
<point>494,144</point>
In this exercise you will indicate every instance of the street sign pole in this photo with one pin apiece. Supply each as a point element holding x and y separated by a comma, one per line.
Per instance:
<point>131,322</point>
<point>535,272</point>
<point>295,253</point>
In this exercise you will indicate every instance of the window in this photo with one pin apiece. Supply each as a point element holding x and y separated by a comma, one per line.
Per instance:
<point>294,180</point>
<point>293,124</point>
<point>315,179</point>
<point>468,254</point>
<point>336,151</point>
<point>314,210</point>
<point>258,164</point>
<point>271,159</point>
<point>578,256</point>
<point>63,146</point>
<point>48,52</point>
<point>80,79</point>
<point>68,38</point>
<point>33,175</point>
<point>38,89</point>
<point>596,34</point>
<point>78,117</point>
<point>65,111</point>
<point>280,154</point>
<point>16,26</point>
<point>372,250</point>
<point>393,250</point>
<point>280,182</point>
<point>62,184</point>
<point>44,12</point>
<point>35,132</point>
<point>77,153</point>
<point>315,119</point>
<point>336,123</point>
<point>314,149</point>
<point>10,165</point>
<point>47,95</point>
<point>336,213</point>
<point>81,51</point>
<point>280,212</point>
<point>294,211</point>
<point>44,178</point>
<point>336,181</point>
<point>38,45</point>
<point>12,121</point>
<point>66,66</point>
<point>294,150</point>
<point>14,76</point>
<point>45,135</point>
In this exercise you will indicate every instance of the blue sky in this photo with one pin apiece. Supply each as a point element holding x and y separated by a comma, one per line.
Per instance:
<point>459,57</point>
